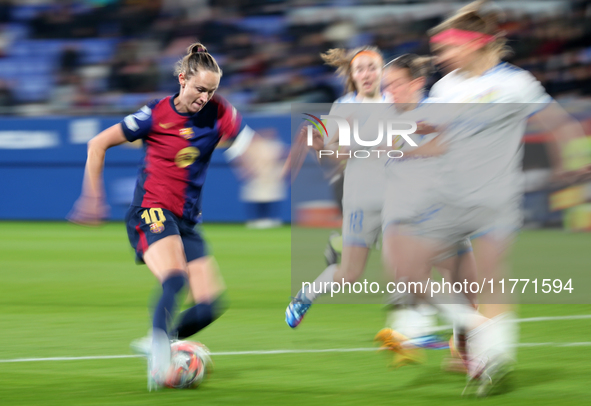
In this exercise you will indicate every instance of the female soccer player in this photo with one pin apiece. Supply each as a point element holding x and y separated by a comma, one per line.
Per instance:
<point>405,79</point>
<point>364,178</point>
<point>180,133</point>
<point>479,192</point>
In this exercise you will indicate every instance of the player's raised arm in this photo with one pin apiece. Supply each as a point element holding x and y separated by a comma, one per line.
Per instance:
<point>90,208</point>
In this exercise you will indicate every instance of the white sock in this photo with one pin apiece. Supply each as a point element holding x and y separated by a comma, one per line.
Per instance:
<point>322,283</point>
<point>496,338</point>
<point>160,356</point>
<point>461,315</point>
<point>508,331</point>
<point>411,322</point>
<point>458,311</point>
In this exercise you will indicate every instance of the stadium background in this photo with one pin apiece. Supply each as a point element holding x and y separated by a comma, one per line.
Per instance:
<point>70,68</point>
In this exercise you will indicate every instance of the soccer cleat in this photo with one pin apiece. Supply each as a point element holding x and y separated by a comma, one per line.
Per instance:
<point>494,378</point>
<point>406,353</point>
<point>490,379</point>
<point>333,249</point>
<point>297,309</point>
<point>142,346</point>
<point>152,385</point>
<point>159,359</point>
<point>390,339</point>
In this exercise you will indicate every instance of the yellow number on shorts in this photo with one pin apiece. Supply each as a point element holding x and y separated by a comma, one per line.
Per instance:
<point>153,215</point>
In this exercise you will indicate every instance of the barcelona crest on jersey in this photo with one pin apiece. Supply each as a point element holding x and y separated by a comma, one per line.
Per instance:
<point>187,133</point>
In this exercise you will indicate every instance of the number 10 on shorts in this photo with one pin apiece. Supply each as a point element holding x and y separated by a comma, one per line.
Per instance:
<point>154,215</point>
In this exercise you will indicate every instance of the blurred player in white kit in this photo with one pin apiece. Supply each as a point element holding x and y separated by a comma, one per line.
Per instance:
<point>478,189</point>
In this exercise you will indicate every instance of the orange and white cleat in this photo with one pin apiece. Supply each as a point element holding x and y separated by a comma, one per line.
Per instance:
<point>406,353</point>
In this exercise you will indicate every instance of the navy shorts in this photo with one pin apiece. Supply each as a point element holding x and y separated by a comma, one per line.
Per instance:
<point>145,226</point>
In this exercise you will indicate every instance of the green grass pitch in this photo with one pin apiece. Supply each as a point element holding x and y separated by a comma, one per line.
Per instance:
<point>69,291</point>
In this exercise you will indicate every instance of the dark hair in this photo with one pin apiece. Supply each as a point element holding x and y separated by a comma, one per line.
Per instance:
<point>197,58</point>
<point>473,17</point>
<point>342,58</point>
<point>417,66</point>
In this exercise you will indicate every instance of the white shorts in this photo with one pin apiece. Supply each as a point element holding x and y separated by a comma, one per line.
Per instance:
<point>449,224</point>
<point>411,188</point>
<point>363,199</point>
<point>461,248</point>
<point>361,227</point>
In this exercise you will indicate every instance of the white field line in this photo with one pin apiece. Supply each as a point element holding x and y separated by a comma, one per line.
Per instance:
<point>312,351</point>
<point>269,352</point>
<point>575,317</point>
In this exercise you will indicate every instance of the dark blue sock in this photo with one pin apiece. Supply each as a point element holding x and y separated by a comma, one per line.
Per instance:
<point>197,318</point>
<point>167,303</point>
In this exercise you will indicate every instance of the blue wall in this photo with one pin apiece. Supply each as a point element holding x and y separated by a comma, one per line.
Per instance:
<point>42,164</point>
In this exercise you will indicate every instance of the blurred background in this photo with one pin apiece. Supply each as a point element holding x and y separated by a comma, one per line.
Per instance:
<point>70,68</point>
<point>71,298</point>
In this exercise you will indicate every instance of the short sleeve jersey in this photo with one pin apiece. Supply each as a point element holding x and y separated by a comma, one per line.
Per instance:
<point>178,149</point>
<point>485,153</point>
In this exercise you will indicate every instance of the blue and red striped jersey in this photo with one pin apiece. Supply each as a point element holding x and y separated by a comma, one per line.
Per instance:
<point>178,148</point>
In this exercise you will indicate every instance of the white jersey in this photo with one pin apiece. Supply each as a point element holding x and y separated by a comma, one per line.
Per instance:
<point>363,189</point>
<point>412,182</point>
<point>482,166</point>
<point>364,177</point>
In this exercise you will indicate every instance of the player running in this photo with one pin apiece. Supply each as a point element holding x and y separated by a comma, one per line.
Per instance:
<point>411,326</point>
<point>179,133</point>
<point>363,179</point>
<point>479,180</point>
<point>363,200</point>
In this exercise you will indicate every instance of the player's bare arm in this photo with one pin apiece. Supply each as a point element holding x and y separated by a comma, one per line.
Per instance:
<point>90,208</point>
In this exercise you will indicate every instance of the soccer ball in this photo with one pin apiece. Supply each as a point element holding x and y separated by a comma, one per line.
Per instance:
<point>190,364</point>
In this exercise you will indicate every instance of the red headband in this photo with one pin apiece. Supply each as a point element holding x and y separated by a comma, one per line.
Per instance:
<point>456,36</point>
<point>367,52</point>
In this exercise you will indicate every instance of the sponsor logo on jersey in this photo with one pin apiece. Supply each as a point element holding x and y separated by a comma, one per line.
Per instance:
<point>166,126</point>
<point>186,157</point>
<point>143,114</point>
<point>157,227</point>
<point>131,123</point>
<point>187,133</point>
